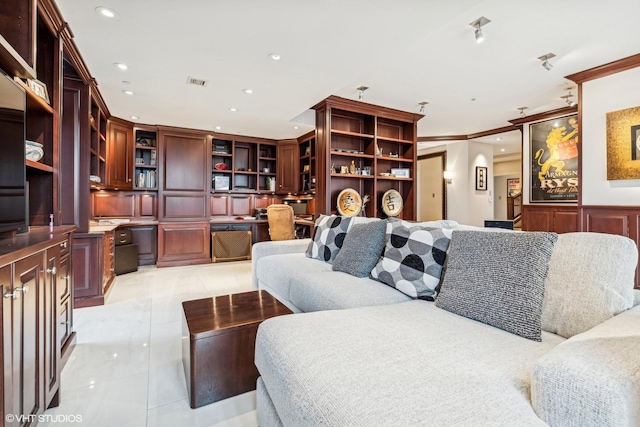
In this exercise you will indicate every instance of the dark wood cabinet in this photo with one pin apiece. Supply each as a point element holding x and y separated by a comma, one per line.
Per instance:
<point>288,163</point>
<point>372,139</point>
<point>119,154</point>
<point>558,219</point>
<point>31,270</point>
<point>183,243</point>
<point>184,171</point>
<point>93,271</point>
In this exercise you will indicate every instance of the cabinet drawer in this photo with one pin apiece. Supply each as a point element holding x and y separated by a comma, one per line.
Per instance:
<point>123,236</point>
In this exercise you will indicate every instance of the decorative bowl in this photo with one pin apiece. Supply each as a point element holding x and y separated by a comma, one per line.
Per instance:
<point>33,151</point>
<point>220,166</point>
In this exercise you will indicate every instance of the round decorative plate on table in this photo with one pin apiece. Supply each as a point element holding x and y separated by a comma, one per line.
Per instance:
<point>392,203</point>
<point>349,202</point>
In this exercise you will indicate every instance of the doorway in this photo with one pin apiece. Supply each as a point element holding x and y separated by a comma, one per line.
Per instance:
<point>432,193</point>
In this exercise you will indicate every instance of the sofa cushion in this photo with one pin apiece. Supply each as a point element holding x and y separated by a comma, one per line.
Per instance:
<point>498,278</point>
<point>328,235</point>
<point>405,364</point>
<point>361,249</point>
<point>336,290</point>
<point>413,258</point>
<point>276,271</point>
<point>593,378</point>
<point>591,278</point>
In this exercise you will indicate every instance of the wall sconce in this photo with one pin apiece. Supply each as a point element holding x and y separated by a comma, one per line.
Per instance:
<point>448,177</point>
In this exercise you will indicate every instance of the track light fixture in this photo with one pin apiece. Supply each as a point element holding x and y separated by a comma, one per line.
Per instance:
<point>568,98</point>
<point>522,109</point>
<point>422,104</point>
<point>545,61</point>
<point>478,24</point>
<point>361,90</point>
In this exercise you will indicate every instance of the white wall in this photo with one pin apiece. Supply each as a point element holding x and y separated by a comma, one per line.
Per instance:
<point>513,168</point>
<point>464,203</point>
<point>599,97</point>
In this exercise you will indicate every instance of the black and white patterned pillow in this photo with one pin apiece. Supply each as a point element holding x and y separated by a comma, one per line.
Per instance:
<point>498,279</point>
<point>328,235</point>
<point>413,258</point>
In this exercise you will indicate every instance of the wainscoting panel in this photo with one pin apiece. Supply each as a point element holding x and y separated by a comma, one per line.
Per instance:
<point>556,218</point>
<point>620,220</point>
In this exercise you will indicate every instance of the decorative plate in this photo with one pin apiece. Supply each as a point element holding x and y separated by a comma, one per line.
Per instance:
<point>392,203</point>
<point>220,166</point>
<point>349,202</point>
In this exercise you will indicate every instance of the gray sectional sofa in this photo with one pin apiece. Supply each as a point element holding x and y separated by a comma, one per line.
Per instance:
<point>365,354</point>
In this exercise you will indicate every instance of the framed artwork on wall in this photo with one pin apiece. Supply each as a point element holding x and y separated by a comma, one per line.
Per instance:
<point>481,178</point>
<point>554,160</point>
<point>623,144</point>
<point>513,186</point>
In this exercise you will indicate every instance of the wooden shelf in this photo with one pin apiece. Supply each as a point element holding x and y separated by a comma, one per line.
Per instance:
<point>401,141</point>
<point>221,154</point>
<point>221,171</point>
<point>245,173</point>
<point>141,166</point>
<point>395,159</point>
<point>348,175</point>
<point>346,154</point>
<point>39,166</point>
<point>145,147</point>
<point>353,134</point>
<point>33,100</point>
<point>267,158</point>
<point>394,178</point>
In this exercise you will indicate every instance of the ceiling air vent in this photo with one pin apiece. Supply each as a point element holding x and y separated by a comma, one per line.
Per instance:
<point>197,82</point>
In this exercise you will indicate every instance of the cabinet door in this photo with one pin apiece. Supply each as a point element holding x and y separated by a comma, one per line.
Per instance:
<point>51,309</point>
<point>108,245</point>
<point>28,342</point>
<point>183,243</point>
<point>287,172</point>
<point>7,343</point>
<point>120,155</point>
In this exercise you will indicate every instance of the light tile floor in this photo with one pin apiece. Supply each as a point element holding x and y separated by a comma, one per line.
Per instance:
<point>126,369</point>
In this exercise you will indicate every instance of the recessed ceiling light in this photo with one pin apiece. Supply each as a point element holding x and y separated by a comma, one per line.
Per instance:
<point>233,109</point>
<point>120,65</point>
<point>296,127</point>
<point>274,56</point>
<point>218,127</point>
<point>498,139</point>
<point>248,91</point>
<point>126,82</point>
<point>135,117</point>
<point>127,92</point>
<point>502,150</point>
<point>106,12</point>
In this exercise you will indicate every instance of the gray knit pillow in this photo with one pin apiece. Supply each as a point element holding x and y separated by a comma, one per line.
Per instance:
<point>361,248</point>
<point>328,235</point>
<point>498,278</point>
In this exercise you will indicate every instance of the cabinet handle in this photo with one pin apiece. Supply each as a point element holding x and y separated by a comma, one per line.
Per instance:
<point>11,295</point>
<point>123,241</point>
<point>64,323</point>
<point>63,245</point>
<point>113,269</point>
<point>24,289</point>
<point>52,270</point>
<point>67,277</point>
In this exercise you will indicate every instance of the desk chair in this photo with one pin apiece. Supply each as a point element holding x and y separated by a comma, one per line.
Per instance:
<point>281,222</point>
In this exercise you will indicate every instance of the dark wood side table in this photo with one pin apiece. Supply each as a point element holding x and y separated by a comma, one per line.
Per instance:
<point>218,343</point>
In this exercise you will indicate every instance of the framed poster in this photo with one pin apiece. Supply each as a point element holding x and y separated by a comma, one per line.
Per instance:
<point>554,160</point>
<point>513,186</point>
<point>481,178</point>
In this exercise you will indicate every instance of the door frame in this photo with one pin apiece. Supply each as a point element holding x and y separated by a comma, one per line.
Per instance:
<point>443,157</point>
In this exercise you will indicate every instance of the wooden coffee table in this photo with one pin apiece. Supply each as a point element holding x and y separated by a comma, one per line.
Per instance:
<point>218,343</point>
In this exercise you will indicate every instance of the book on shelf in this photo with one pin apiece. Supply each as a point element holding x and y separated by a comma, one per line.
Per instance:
<point>147,179</point>
<point>152,158</point>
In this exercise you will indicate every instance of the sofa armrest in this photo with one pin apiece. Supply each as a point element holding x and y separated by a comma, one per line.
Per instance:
<point>593,378</point>
<point>263,249</point>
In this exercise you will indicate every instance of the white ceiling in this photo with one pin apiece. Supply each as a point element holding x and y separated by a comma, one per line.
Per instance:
<point>406,51</point>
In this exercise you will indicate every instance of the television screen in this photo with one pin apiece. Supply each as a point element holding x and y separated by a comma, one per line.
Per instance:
<point>12,160</point>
